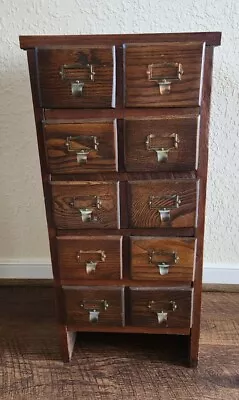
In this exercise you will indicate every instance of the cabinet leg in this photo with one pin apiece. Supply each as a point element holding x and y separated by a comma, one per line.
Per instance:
<point>192,363</point>
<point>67,342</point>
<point>193,349</point>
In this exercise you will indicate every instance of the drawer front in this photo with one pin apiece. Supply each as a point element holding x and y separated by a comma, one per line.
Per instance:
<point>163,259</point>
<point>90,257</point>
<point>161,144</point>
<point>161,307</point>
<point>93,307</point>
<point>164,203</point>
<point>84,205</point>
<point>163,75</point>
<point>77,77</point>
<point>81,147</point>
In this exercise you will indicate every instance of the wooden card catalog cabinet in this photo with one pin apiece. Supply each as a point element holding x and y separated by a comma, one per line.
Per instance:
<point>122,128</point>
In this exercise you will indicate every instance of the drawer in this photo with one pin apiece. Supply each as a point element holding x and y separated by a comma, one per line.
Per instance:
<point>93,307</point>
<point>163,259</point>
<point>163,75</point>
<point>163,203</point>
<point>77,77</point>
<point>83,205</point>
<point>87,146</point>
<point>90,257</point>
<point>161,144</point>
<point>161,307</point>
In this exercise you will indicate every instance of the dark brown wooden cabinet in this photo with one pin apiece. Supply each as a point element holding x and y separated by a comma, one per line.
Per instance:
<point>122,128</point>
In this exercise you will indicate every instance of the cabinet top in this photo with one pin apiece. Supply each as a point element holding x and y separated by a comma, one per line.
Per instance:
<point>29,42</point>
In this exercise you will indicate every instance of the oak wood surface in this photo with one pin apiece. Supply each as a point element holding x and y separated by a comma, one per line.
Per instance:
<point>91,297</point>
<point>202,173</point>
<point>150,330</point>
<point>26,41</point>
<point>175,232</point>
<point>142,92</point>
<point>119,112</point>
<point>67,339</point>
<point>180,158</point>
<point>69,199</point>
<point>145,216</point>
<point>76,251</point>
<point>83,136</point>
<point>142,315</point>
<point>122,176</point>
<point>126,282</point>
<point>144,268</point>
<point>44,283</point>
<point>56,91</point>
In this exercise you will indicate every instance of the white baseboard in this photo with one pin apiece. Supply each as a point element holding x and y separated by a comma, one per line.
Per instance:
<point>41,269</point>
<point>221,273</point>
<point>25,269</point>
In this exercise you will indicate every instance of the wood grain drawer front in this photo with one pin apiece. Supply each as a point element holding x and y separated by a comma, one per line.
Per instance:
<point>90,257</point>
<point>94,306</point>
<point>161,144</point>
<point>163,203</point>
<point>84,205</point>
<point>81,147</point>
<point>161,307</point>
<point>163,75</point>
<point>77,77</point>
<point>163,259</point>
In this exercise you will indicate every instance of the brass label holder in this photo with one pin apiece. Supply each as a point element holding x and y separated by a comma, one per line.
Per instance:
<point>86,212</point>
<point>69,72</point>
<point>163,259</point>
<point>94,308</point>
<point>164,81</point>
<point>91,264</point>
<point>164,212</point>
<point>162,312</point>
<point>161,152</point>
<point>81,154</point>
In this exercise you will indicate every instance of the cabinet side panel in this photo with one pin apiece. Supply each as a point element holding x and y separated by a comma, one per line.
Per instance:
<point>39,116</point>
<point>66,338</point>
<point>202,175</point>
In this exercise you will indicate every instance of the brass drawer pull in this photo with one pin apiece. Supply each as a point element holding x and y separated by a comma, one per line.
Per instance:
<point>156,73</point>
<point>161,152</point>
<point>162,314</point>
<point>86,211</point>
<point>74,72</point>
<point>155,202</point>
<point>90,264</point>
<point>94,308</point>
<point>164,260</point>
<point>81,154</point>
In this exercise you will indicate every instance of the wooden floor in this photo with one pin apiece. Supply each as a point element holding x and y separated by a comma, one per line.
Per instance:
<point>110,367</point>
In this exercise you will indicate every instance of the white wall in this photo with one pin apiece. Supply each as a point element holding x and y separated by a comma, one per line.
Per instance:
<point>23,237</point>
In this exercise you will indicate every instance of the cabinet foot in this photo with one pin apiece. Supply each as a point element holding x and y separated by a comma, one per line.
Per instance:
<point>193,349</point>
<point>193,363</point>
<point>67,342</point>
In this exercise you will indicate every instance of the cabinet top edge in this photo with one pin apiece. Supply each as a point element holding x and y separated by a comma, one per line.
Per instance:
<point>31,42</point>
